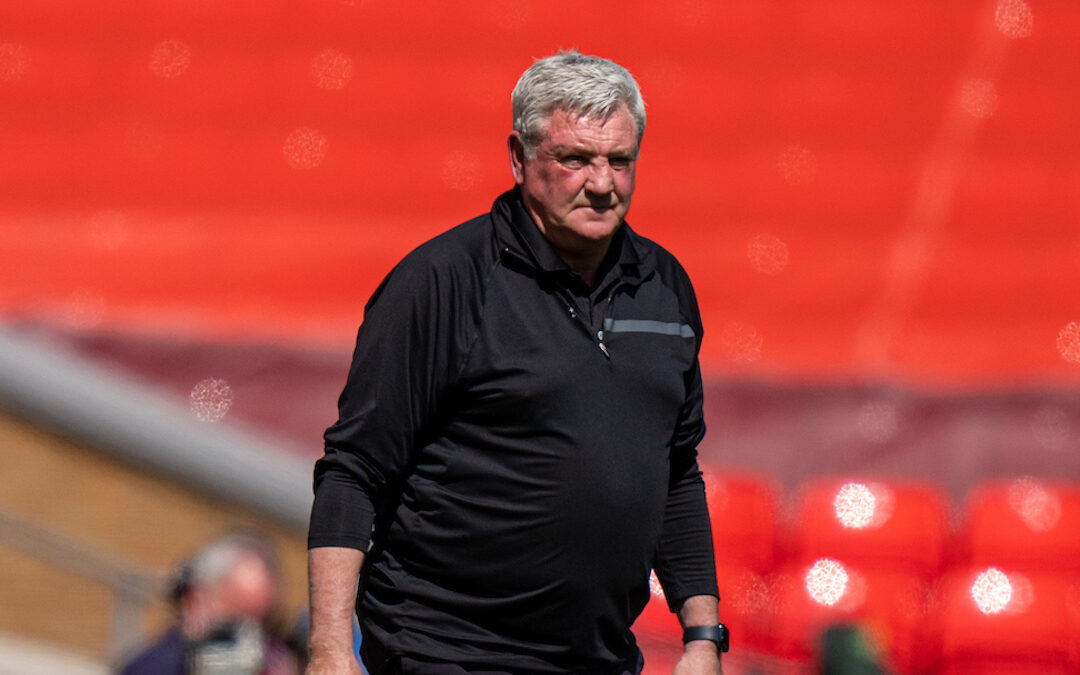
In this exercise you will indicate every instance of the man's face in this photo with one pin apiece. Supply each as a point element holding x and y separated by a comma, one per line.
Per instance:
<point>578,184</point>
<point>248,591</point>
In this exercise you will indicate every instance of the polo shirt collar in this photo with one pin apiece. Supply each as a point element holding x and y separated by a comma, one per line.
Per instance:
<point>519,236</point>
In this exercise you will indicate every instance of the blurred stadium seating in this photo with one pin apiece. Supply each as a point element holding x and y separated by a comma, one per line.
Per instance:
<point>891,525</point>
<point>889,606</point>
<point>922,591</point>
<point>745,511</point>
<point>1000,620</point>
<point>1023,523</point>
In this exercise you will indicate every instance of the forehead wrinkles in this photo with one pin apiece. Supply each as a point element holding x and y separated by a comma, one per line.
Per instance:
<point>575,131</point>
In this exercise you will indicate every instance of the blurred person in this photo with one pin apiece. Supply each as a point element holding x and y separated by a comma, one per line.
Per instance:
<point>846,650</point>
<point>516,440</point>
<point>225,598</point>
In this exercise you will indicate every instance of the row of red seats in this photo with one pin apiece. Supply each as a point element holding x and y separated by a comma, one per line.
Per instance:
<point>993,588</point>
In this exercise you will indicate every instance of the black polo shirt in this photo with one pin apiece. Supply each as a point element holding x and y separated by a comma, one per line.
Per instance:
<point>524,446</point>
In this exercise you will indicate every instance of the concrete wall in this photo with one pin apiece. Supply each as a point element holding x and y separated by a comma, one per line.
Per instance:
<point>116,509</point>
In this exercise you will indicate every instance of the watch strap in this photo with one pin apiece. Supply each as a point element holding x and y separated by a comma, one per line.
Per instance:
<point>717,634</point>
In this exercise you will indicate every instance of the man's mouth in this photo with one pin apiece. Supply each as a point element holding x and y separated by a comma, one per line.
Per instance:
<point>600,208</point>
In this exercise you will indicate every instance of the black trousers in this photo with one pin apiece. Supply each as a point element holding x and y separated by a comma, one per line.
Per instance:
<point>380,662</point>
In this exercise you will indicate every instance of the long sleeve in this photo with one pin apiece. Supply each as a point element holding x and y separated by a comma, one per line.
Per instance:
<point>400,370</point>
<point>685,561</point>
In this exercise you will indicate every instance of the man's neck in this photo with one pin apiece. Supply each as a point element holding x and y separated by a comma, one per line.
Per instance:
<point>583,256</point>
<point>585,265</point>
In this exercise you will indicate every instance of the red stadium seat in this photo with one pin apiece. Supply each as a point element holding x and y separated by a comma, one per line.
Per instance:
<point>1002,621</point>
<point>744,606</point>
<point>889,607</point>
<point>898,525</point>
<point>1024,523</point>
<point>744,510</point>
<point>658,633</point>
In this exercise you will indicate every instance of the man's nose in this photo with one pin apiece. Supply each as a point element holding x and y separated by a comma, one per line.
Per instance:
<point>599,179</point>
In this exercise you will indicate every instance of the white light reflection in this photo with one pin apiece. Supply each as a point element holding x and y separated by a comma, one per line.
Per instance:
<point>1013,18</point>
<point>305,148</point>
<point>211,399</point>
<point>855,506</point>
<point>826,582</point>
<point>170,58</point>
<point>747,593</point>
<point>740,343</point>
<point>654,586</point>
<point>1068,342</point>
<point>992,591</point>
<point>979,98</point>
<point>1038,507</point>
<point>331,70</point>
<point>768,254</point>
<point>797,165</point>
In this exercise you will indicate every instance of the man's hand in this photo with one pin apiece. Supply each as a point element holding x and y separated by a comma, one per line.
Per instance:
<point>700,657</point>
<point>344,664</point>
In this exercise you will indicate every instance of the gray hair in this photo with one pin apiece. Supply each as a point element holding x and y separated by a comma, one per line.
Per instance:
<point>218,558</point>
<point>588,86</point>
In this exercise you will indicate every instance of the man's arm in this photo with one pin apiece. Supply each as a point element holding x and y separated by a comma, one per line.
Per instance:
<point>686,563</point>
<point>333,574</point>
<point>700,657</point>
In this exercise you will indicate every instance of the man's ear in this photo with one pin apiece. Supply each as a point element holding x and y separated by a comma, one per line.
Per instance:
<point>517,156</point>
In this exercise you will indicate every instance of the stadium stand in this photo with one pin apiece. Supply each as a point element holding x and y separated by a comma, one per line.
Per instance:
<point>745,512</point>
<point>1023,523</point>
<point>999,620</point>
<point>889,607</point>
<point>885,524</point>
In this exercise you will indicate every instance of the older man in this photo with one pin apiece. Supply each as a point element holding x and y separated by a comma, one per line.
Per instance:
<point>516,442</point>
<point>225,597</point>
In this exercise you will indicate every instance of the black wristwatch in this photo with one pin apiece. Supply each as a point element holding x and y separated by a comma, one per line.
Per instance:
<point>717,633</point>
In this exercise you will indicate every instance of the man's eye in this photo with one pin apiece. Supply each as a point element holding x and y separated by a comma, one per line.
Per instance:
<point>620,162</point>
<point>573,161</point>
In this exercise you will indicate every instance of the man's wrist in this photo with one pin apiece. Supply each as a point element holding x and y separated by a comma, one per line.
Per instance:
<point>704,646</point>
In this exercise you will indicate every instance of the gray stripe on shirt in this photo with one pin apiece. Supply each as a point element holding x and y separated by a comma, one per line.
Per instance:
<point>648,326</point>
